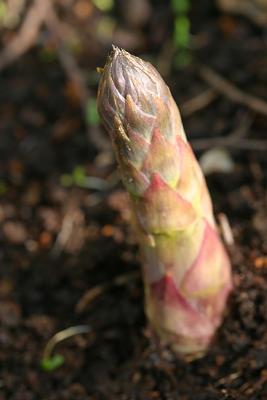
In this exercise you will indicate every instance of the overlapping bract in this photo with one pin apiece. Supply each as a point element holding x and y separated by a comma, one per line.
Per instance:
<point>187,273</point>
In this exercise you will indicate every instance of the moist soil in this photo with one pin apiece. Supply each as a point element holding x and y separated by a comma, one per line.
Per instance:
<point>68,256</point>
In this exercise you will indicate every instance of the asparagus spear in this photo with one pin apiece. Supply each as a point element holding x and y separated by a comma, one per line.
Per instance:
<point>186,271</point>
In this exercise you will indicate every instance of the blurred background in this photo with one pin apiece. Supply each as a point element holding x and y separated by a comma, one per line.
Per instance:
<point>67,255</point>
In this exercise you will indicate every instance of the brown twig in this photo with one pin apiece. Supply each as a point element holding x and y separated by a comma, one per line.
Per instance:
<point>198,102</point>
<point>68,62</point>
<point>226,229</point>
<point>98,290</point>
<point>27,35</point>
<point>68,224</point>
<point>235,140</point>
<point>228,89</point>
<point>43,12</point>
<point>241,144</point>
<point>75,74</point>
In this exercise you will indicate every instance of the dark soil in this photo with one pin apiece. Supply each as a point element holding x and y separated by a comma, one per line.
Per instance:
<point>44,274</point>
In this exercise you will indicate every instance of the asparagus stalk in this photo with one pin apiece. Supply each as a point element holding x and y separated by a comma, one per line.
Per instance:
<point>186,271</point>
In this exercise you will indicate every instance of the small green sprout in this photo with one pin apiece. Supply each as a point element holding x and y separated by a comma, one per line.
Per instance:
<point>50,362</point>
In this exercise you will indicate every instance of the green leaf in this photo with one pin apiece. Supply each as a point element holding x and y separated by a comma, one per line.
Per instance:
<point>180,6</point>
<point>181,32</point>
<point>103,5</point>
<point>3,10</point>
<point>92,116</point>
<point>52,363</point>
<point>79,175</point>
